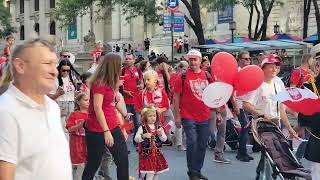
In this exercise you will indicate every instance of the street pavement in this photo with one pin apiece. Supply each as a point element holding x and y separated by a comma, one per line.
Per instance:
<point>237,170</point>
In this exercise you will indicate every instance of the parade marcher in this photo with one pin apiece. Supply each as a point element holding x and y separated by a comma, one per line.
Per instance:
<point>74,125</point>
<point>149,137</point>
<point>261,56</point>
<point>84,79</point>
<point>33,145</point>
<point>103,126</point>
<point>303,73</point>
<point>195,118</point>
<point>131,86</point>
<point>152,95</point>
<point>260,103</point>
<point>186,43</point>
<point>145,66</point>
<point>97,52</point>
<point>312,125</point>
<point>9,46</point>
<point>244,60</point>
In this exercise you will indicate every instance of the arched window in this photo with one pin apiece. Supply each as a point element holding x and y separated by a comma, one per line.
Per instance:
<point>52,3</point>
<point>53,28</point>
<point>36,5</point>
<point>21,6</point>
<point>22,32</point>
<point>37,28</point>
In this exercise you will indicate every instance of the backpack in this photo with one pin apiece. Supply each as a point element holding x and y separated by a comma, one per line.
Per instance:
<point>184,76</point>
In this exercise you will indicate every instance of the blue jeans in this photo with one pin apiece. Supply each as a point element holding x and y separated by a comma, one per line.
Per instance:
<point>135,117</point>
<point>244,136</point>
<point>197,134</point>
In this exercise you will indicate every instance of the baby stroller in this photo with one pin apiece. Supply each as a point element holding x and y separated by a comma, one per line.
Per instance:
<point>275,151</point>
<point>232,135</point>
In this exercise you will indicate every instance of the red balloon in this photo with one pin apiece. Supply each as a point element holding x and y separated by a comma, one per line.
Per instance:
<point>224,67</point>
<point>248,79</point>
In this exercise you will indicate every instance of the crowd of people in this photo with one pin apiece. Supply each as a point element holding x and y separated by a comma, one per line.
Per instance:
<point>46,105</point>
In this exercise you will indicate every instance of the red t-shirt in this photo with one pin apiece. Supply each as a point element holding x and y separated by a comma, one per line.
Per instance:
<point>157,98</point>
<point>298,79</point>
<point>78,148</point>
<point>6,51</point>
<point>191,105</point>
<point>108,107</point>
<point>131,79</point>
<point>96,53</point>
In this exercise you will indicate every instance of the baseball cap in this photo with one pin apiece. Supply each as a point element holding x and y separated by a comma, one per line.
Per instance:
<point>315,51</point>
<point>194,54</point>
<point>271,59</point>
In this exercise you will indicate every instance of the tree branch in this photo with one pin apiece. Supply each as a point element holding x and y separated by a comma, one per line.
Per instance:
<point>193,26</point>
<point>188,5</point>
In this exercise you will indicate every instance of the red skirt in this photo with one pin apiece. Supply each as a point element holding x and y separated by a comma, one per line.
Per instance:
<point>149,163</point>
<point>78,149</point>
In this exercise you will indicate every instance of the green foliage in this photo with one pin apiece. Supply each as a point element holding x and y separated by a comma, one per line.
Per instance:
<point>5,21</point>
<point>66,10</point>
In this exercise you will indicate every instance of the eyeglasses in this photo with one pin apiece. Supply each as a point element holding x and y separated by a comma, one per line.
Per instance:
<point>65,70</point>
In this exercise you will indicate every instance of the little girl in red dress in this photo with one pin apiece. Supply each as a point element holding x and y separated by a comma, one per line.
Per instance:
<point>78,149</point>
<point>149,137</point>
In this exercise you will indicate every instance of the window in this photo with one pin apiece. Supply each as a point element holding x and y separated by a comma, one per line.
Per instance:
<point>36,5</point>
<point>37,28</point>
<point>52,3</point>
<point>53,28</point>
<point>21,6</point>
<point>22,32</point>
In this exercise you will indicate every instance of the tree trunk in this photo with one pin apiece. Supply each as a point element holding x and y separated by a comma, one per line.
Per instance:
<point>317,14</point>
<point>306,12</point>
<point>266,12</point>
<point>250,19</point>
<point>256,35</point>
<point>196,25</point>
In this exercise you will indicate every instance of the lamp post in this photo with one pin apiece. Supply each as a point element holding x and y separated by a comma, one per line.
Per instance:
<point>232,28</point>
<point>276,28</point>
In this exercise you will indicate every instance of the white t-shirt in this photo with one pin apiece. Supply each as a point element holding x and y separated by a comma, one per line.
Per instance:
<point>32,138</point>
<point>68,88</point>
<point>262,99</point>
<point>279,84</point>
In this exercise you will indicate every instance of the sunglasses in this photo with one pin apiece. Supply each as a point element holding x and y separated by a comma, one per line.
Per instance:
<point>66,56</point>
<point>65,70</point>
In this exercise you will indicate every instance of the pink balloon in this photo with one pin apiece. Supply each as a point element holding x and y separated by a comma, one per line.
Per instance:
<point>248,79</point>
<point>224,67</point>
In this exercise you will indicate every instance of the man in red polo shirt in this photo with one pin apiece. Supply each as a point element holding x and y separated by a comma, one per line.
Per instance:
<point>132,80</point>
<point>193,114</point>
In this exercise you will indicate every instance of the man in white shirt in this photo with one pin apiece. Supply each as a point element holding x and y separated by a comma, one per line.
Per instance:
<point>260,102</point>
<point>33,145</point>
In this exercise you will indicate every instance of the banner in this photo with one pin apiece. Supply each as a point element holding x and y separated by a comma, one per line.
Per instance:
<point>225,15</point>
<point>72,31</point>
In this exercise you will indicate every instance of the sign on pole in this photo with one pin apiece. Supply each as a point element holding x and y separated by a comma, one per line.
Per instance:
<point>173,5</point>
<point>178,22</point>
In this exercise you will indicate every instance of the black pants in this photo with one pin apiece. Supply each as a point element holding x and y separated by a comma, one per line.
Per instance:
<point>96,147</point>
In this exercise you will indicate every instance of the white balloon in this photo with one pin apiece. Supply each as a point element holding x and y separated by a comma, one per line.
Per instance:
<point>217,94</point>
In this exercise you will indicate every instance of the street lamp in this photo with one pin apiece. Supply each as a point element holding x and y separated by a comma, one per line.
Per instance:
<point>276,28</point>
<point>232,28</point>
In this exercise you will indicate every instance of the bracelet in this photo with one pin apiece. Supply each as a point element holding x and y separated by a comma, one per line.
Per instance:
<point>106,130</point>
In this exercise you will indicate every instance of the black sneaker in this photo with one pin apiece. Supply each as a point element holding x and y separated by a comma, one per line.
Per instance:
<point>243,158</point>
<point>202,177</point>
<point>250,157</point>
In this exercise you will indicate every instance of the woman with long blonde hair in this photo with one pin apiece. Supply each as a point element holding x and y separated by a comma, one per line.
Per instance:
<point>103,126</point>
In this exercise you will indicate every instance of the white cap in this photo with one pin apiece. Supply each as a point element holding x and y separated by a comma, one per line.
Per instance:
<point>194,54</point>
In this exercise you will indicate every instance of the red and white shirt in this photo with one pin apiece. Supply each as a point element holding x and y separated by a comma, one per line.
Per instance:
<point>191,105</point>
<point>157,98</point>
<point>96,54</point>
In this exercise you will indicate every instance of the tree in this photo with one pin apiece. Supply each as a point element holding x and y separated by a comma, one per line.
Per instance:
<point>306,12</point>
<point>5,21</point>
<point>317,14</point>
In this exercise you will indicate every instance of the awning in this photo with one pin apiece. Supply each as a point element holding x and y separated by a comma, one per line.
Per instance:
<point>256,45</point>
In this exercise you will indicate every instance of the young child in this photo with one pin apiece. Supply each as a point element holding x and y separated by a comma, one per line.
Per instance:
<point>149,137</point>
<point>78,151</point>
<point>152,95</point>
